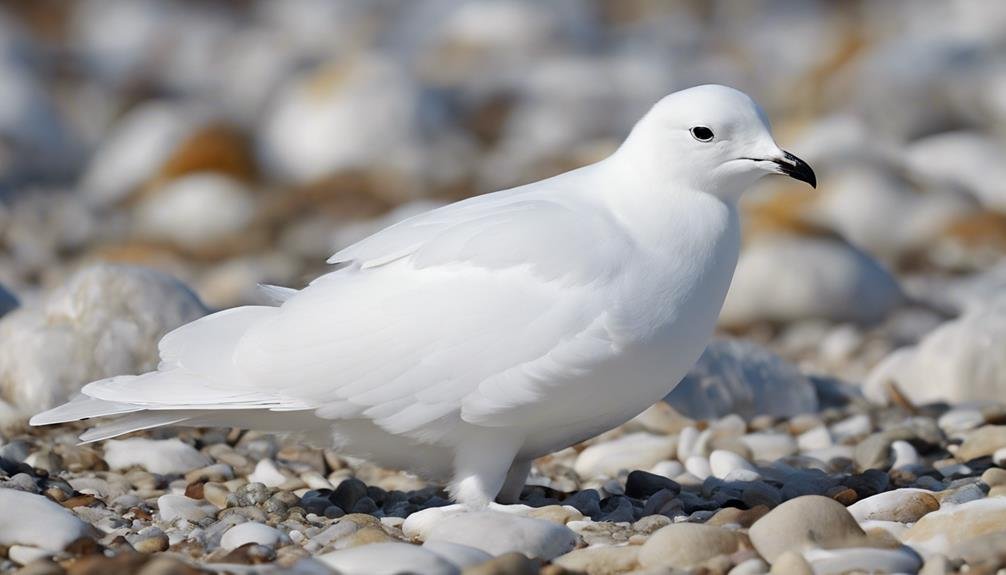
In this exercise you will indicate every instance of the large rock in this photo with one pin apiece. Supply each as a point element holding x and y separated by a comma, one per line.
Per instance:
<point>36,521</point>
<point>686,545</point>
<point>737,376</point>
<point>803,523</point>
<point>962,360</point>
<point>498,533</point>
<point>783,278</point>
<point>600,560</point>
<point>106,320</point>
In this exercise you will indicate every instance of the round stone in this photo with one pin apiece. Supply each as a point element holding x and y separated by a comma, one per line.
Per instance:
<point>686,545</point>
<point>801,523</point>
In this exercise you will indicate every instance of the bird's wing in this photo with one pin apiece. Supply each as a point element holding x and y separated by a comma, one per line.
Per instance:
<point>476,318</point>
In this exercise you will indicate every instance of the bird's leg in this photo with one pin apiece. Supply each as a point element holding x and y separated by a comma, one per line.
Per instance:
<point>515,478</point>
<point>480,467</point>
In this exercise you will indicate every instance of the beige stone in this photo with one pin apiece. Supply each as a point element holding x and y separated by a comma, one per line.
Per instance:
<point>981,442</point>
<point>946,530</point>
<point>801,523</point>
<point>901,505</point>
<point>685,545</point>
<point>994,476</point>
<point>600,560</point>
<point>561,514</point>
<point>791,563</point>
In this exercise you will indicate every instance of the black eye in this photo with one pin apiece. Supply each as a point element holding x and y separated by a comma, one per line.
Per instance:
<point>702,133</point>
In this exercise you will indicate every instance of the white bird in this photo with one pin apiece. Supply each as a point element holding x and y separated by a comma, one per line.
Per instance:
<point>465,342</point>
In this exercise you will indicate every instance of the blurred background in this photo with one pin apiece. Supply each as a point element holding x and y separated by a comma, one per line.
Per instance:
<point>230,143</point>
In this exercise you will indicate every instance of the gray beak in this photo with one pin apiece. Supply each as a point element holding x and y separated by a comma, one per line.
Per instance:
<point>796,168</point>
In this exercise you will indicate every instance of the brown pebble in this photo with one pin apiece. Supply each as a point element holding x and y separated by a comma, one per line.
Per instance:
<point>250,554</point>
<point>163,565</point>
<point>83,546</point>
<point>81,501</point>
<point>194,490</point>
<point>101,565</point>
<point>41,567</point>
<point>844,495</point>
<point>743,517</point>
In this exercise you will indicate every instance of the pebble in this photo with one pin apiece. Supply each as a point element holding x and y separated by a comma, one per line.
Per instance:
<point>817,438</point>
<point>741,378</point>
<point>686,545</point>
<point>497,533</point>
<point>388,559</point>
<point>944,530</point>
<point>633,451</point>
<point>41,523</point>
<point>698,466</point>
<point>803,522</point>
<point>985,440</point>
<point>251,532</point>
<point>171,507</point>
<point>770,446</point>
<point>860,559</point>
<point>791,563</point>
<point>600,560</point>
<point>461,556</point>
<point>166,456</point>
<point>724,463</point>
<point>640,484</point>
<point>905,455</point>
<point>902,505</point>
<point>267,474</point>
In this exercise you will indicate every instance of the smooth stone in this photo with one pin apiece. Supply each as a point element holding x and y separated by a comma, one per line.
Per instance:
<point>791,563</point>
<point>983,441</point>
<point>999,457</point>
<point>994,476</point>
<point>600,560</point>
<point>770,446</point>
<point>40,522</point>
<point>817,438</point>
<point>905,455</point>
<point>686,545</point>
<point>251,532</point>
<point>669,469</point>
<point>722,463</point>
<point>960,419</point>
<point>164,456</point>
<point>688,439</point>
<point>962,494</point>
<point>803,522</point>
<point>507,564</point>
<point>945,530</point>
<point>753,566</point>
<point>497,533</point>
<point>171,507</point>
<point>267,474</point>
<point>149,540</point>
<point>738,377</point>
<point>863,559</point>
<point>25,554</point>
<point>851,427</point>
<point>461,556</point>
<point>418,525</point>
<point>641,484</point>
<point>633,451</point>
<point>903,505</point>
<point>388,559</point>
<point>561,514</point>
<point>698,466</point>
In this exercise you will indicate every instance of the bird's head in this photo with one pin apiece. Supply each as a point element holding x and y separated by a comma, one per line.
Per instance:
<point>711,138</point>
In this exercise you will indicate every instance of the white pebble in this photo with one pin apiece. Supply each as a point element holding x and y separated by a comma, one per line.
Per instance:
<point>904,455</point>
<point>816,438</point>
<point>698,466</point>
<point>41,522</point>
<point>960,419</point>
<point>629,452</point>
<point>23,554</point>
<point>722,462</point>
<point>668,468</point>
<point>171,507</point>
<point>769,446</point>
<point>462,556</point>
<point>999,457</point>
<point>835,561</point>
<point>387,559</point>
<point>251,532</point>
<point>165,456</point>
<point>686,442</point>
<point>267,474</point>
<point>497,533</point>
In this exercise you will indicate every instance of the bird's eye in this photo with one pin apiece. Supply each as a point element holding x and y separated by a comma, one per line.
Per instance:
<point>702,133</point>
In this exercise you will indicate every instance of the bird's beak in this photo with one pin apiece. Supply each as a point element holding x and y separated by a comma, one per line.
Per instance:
<point>795,168</point>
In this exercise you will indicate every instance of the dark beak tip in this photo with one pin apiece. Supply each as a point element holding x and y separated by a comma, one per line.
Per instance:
<point>798,169</point>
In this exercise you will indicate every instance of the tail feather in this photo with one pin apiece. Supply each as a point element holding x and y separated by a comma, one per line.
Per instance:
<point>133,422</point>
<point>196,383</point>
<point>83,407</point>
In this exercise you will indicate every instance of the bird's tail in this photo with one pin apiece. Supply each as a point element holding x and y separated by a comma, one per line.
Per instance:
<point>195,384</point>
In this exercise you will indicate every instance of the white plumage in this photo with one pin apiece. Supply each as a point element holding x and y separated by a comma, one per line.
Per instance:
<point>464,342</point>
